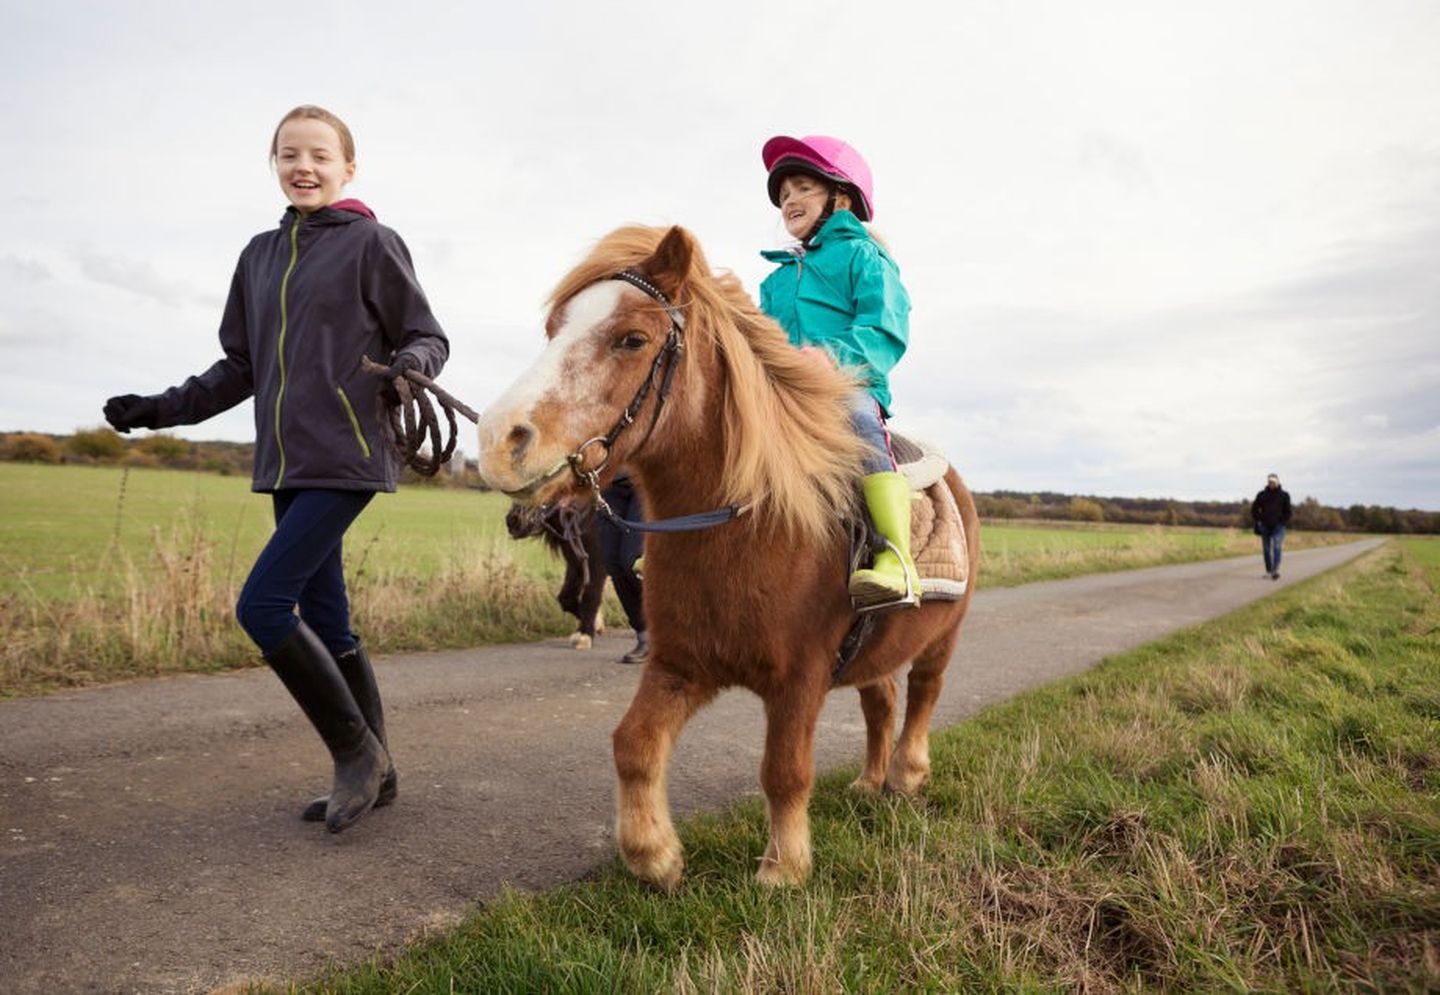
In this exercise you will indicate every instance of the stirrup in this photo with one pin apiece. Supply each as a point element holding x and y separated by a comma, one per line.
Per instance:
<point>909,599</point>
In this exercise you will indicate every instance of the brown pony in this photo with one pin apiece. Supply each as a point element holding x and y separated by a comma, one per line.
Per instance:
<point>760,601</point>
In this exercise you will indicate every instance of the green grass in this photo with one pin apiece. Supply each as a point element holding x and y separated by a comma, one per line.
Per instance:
<point>1252,804</point>
<point>61,527</point>
<point>107,574</point>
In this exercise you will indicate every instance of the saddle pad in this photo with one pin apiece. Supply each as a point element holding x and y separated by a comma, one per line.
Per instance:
<point>937,541</point>
<point>921,463</point>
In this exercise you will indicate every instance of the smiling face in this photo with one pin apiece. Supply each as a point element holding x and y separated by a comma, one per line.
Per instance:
<point>310,163</point>
<point>802,201</point>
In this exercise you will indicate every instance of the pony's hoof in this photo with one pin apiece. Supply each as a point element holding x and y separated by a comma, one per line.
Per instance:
<point>907,780</point>
<point>662,867</point>
<point>579,641</point>
<point>599,625</point>
<point>774,874</point>
<point>863,785</point>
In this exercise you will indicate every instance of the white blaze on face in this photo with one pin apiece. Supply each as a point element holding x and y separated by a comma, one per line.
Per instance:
<point>561,379</point>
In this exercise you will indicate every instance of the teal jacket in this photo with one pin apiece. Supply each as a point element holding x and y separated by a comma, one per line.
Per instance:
<point>844,295</point>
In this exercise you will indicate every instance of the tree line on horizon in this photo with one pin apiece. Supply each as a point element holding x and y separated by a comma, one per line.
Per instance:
<point>104,446</point>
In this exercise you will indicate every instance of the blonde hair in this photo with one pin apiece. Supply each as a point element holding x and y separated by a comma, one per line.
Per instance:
<point>347,141</point>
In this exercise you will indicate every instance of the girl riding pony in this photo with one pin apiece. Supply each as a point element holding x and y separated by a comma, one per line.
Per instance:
<point>837,293</point>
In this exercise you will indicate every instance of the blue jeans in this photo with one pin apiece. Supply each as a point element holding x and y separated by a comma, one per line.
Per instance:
<point>1270,541</point>
<point>301,567</point>
<point>869,424</point>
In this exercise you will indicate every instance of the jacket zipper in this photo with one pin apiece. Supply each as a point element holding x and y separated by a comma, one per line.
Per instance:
<point>354,421</point>
<point>280,347</point>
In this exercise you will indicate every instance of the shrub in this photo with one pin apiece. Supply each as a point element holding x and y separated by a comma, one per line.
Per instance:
<point>98,443</point>
<point>166,448</point>
<point>1084,510</point>
<point>30,447</point>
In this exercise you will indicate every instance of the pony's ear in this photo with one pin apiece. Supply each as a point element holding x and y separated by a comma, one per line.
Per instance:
<point>669,265</point>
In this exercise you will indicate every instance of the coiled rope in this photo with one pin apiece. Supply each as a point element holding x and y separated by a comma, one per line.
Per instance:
<point>408,423</point>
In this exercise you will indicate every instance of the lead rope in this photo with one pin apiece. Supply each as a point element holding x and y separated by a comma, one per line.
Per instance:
<point>407,424</point>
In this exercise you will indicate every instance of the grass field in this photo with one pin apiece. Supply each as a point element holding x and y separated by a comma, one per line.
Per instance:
<point>107,574</point>
<point>1252,804</point>
<point>62,529</point>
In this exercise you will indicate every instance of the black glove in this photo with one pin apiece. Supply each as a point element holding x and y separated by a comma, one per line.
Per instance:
<point>129,411</point>
<point>403,361</point>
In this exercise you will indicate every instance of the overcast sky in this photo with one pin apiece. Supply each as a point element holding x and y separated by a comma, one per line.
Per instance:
<point>1154,248</point>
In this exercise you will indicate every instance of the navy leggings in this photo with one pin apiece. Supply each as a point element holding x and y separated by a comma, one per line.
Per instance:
<point>301,567</point>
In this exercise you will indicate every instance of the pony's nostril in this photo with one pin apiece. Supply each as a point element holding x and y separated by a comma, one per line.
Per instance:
<point>519,440</point>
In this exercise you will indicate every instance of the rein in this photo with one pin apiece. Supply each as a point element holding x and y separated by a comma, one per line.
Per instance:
<point>667,361</point>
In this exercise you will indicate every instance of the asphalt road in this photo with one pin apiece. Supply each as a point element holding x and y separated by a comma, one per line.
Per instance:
<point>149,839</point>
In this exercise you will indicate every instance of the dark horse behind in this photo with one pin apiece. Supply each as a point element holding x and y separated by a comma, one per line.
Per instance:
<point>571,533</point>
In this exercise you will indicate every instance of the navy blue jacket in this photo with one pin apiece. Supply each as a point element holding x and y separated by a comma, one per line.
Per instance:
<point>308,300</point>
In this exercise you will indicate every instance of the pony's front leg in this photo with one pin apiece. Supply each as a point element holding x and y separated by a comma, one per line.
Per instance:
<point>642,743</point>
<point>787,774</point>
<point>877,702</point>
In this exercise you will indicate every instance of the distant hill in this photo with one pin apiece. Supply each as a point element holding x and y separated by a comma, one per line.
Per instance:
<point>103,445</point>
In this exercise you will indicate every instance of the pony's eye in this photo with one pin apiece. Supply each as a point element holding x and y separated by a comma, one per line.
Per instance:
<point>631,341</point>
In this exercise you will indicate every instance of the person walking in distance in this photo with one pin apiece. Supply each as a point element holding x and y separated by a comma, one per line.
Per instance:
<point>309,299</point>
<point>1271,513</point>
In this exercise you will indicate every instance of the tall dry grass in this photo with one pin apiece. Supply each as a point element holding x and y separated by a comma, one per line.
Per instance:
<point>171,609</point>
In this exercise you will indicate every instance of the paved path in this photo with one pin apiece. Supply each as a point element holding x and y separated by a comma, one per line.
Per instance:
<point>148,831</point>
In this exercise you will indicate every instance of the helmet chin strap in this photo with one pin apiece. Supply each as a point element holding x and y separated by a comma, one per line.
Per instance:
<point>824,216</point>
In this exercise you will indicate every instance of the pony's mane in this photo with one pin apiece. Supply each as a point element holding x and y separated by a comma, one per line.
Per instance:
<point>789,447</point>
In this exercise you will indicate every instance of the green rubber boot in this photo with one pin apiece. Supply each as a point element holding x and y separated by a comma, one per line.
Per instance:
<point>893,579</point>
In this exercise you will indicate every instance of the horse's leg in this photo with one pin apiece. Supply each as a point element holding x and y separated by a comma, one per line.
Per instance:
<point>787,774</point>
<point>910,764</point>
<point>642,743</point>
<point>590,598</point>
<point>877,701</point>
<point>570,598</point>
<point>594,594</point>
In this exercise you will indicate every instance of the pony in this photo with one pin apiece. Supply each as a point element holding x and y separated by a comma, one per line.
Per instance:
<point>573,536</point>
<point>657,363</point>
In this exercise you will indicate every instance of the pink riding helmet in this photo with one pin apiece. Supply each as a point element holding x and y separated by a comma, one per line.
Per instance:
<point>830,157</point>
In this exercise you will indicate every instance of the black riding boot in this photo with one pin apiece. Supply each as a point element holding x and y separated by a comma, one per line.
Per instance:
<point>313,679</point>
<point>355,668</point>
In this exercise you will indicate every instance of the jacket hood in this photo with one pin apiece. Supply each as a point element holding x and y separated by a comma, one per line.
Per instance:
<point>342,212</point>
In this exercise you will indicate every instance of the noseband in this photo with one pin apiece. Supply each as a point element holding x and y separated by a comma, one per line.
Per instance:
<point>667,360</point>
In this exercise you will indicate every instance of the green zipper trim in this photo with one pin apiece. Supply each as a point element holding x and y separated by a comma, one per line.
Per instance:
<point>280,348</point>
<point>354,422</point>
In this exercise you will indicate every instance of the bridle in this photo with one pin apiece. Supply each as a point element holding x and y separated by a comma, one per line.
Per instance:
<point>667,360</point>
<point>662,372</point>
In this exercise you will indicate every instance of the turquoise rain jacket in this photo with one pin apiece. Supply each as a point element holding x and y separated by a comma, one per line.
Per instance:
<point>844,295</point>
